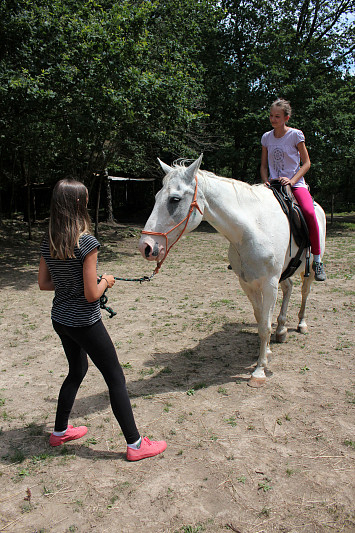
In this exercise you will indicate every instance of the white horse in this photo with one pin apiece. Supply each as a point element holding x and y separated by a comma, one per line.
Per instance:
<point>251,218</point>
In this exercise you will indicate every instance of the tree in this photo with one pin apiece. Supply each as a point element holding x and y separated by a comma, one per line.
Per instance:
<point>302,51</point>
<point>91,85</point>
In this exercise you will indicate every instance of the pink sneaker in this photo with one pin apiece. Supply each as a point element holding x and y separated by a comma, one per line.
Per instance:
<point>147,449</point>
<point>71,434</point>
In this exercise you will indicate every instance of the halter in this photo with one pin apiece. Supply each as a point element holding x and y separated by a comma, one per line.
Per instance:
<point>193,205</point>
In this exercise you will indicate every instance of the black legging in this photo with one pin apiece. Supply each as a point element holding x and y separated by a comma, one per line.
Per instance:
<point>95,342</point>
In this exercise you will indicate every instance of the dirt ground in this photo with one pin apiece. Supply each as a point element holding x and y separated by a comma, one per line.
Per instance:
<point>276,459</point>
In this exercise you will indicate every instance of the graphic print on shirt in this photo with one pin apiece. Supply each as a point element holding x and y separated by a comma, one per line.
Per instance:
<point>279,161</point>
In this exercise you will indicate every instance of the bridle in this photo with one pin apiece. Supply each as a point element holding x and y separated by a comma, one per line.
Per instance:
<point>193,205</point>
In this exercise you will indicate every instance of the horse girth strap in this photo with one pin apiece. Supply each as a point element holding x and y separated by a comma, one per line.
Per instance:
<point>298,227</point>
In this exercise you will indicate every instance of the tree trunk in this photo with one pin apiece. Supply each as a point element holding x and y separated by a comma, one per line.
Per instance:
<point>28,206</point>
<point>110,217</point>
<point>332,210</point>
<point>97,208</point>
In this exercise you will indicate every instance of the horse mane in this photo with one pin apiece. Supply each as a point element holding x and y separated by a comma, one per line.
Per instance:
<point>241,188</point>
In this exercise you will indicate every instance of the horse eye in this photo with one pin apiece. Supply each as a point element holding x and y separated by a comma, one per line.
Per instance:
<point>174,199</point>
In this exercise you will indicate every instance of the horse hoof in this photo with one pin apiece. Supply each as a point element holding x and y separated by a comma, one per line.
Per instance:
<point>281,337</point>
<point>302,329</point>
<point>256,383</point>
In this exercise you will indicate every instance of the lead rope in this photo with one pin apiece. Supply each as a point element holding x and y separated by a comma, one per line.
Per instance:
<point>104,298</point>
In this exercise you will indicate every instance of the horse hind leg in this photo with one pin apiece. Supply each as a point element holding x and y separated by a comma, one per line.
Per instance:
<point>281,330</point>
<point>306,287</point>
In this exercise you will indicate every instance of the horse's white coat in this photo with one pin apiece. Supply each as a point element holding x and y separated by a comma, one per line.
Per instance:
<point>252,220</point>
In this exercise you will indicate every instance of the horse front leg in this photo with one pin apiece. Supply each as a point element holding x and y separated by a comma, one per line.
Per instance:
<point>306,287</point>
<point>263,300</point>
<point>281,330</point>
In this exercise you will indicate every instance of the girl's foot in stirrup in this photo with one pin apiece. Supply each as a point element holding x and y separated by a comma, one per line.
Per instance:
<point>319,271</point>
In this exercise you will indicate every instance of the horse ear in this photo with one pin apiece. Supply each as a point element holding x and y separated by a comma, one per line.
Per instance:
<point>192,170</point>
<point>165,167</point>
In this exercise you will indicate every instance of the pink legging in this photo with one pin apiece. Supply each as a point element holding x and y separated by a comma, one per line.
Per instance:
<point>305,202</point>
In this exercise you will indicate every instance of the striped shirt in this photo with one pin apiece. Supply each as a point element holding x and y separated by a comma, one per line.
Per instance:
<point>70,307</point>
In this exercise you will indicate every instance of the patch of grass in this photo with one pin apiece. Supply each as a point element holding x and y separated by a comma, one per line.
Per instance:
<point>350,396</point>
<point>350,443</point>
<point>199,386</point>
<point>17,456</point>
<point>26,508</point>
<point>42,457</point>
<point>191,529</point>
<point>232,421</point>
<point>223,303</point>
<point>90,440</point>
<point>222,390</point>
<point>23,473</point>
<point>166,370</point>
<point>189,354</point>
<point>65,450</point>
<point>304,369</point>
<point>265,512</point>
<point>147,371</point>
<point>35,430</point>
<point>264,485</point>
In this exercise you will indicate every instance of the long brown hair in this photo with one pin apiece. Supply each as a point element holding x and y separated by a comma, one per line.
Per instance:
<point>69,217</point>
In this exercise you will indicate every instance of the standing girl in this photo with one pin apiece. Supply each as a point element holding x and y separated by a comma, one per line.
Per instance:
<point>282,149</point>
<point>68,267</point>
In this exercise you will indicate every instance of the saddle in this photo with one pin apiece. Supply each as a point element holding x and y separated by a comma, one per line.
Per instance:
<point>298,227</point>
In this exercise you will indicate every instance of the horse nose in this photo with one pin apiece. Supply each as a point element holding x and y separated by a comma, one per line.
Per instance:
<point>155,250</point>
<point>147,250</point>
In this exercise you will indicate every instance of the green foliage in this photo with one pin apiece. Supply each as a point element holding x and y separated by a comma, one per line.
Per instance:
<point>86,86</point>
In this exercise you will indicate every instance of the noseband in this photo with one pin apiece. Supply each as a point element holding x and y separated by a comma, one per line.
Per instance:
<point>193,205</point>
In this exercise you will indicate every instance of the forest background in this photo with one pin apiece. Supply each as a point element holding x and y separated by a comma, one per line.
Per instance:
<point>92,89</point>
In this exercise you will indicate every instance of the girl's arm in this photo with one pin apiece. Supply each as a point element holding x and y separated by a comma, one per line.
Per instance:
<point>306,165</point>
<point>44,277</point>
<point>264,165</point>
<point>93,290</point>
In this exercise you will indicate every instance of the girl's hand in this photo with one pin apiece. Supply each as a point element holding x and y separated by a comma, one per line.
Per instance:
<point>285,181</point>
<point>110,280</point>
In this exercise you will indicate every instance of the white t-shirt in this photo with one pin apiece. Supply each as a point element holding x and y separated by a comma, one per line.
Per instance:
<point>283,154</point>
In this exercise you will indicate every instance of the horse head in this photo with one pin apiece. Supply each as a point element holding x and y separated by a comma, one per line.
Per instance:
<point>177,209</point>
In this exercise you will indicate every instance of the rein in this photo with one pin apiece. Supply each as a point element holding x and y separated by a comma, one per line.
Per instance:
<point>193,205</point>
